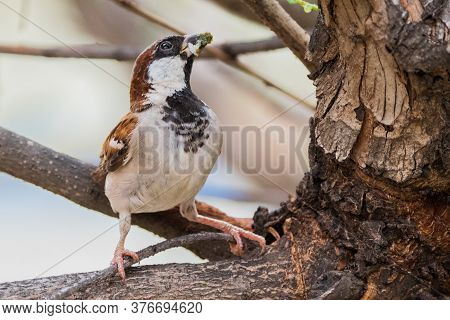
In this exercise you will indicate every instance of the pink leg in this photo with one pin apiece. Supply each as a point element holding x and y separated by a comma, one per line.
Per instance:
<point>228,228</point>
<point>244,223</point>
<point>215,213</point>
<point>120,252</point>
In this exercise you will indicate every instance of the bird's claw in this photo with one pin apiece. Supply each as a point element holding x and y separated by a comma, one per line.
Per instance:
<point>118,260</point>
<point>238,248</point>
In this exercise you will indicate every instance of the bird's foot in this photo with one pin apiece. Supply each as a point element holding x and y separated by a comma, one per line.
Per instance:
<point>118,260</point>
<point>237,233</point>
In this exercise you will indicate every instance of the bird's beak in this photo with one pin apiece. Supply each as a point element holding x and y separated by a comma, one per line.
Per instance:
<point>193,44</point>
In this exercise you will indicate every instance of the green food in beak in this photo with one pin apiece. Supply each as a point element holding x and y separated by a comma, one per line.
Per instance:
<point>194,44</point>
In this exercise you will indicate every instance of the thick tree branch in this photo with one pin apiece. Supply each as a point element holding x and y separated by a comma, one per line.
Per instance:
<point>300,265</point>
<point>143,254</point>
<point>276,18</point>
<point>263,277</point>
<point>126,53</point>
<point>71,178</point>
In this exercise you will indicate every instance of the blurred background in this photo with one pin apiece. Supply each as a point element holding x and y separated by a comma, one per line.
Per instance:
<point>71,104</point>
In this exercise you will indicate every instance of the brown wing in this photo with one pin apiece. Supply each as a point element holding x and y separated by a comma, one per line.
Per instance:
<point>116,147</point>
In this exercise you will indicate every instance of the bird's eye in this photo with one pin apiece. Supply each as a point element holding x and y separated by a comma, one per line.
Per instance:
<point>166,45</point>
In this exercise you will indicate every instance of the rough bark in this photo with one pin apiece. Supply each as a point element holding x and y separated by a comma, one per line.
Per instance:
<point>111,271</point>
<point>380,150</point>
<point>293,268</point>
<point>234,279</point>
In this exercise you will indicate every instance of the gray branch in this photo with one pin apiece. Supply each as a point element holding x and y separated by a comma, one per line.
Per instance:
<point>263,277</point>
<point>143,254</point>
<point>127,53</point>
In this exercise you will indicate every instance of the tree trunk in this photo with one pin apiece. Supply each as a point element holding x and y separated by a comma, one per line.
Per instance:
<point>370,220</point>
<point>379,155</point>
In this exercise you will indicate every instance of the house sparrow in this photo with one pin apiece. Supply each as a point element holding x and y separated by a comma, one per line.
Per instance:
<point>160,153</point>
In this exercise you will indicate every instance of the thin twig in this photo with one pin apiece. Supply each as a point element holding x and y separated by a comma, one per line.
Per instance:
<point>216,52</point>
<point>125,53</point>
<point>228,52</point>
<point>91,51</point>
<point>234,49</point>
<point>143,254</point>
<point>272,14</point>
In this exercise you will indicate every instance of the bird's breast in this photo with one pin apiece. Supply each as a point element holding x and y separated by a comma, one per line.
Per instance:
<point>171,159</point>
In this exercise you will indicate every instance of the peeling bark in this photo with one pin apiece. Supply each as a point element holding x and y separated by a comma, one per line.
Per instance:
<point>379,152</point>
<point>363,50</point>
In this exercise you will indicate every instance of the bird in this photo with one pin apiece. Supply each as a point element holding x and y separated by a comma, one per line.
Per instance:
<point>161,152</point>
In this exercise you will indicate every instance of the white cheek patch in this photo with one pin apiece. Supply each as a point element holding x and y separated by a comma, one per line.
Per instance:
<point>167,71</point>
<point>166,76</point>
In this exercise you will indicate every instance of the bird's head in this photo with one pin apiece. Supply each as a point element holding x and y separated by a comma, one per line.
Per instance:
<point>164,68</point>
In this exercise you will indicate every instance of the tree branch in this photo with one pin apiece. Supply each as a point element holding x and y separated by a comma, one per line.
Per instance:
<point>226,52</point>
<point>91,51</point>
<point>279,21</point>
<point>126,53</point>
<point>305,19</point>
<point>143,254</point>
<point>300,265</point>
<point>263,277</point>
<point>233,49</point>
<point>215,52</point>
<point>71,178</point>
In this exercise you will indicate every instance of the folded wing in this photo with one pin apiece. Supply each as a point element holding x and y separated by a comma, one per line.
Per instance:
<point>115,151</point>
